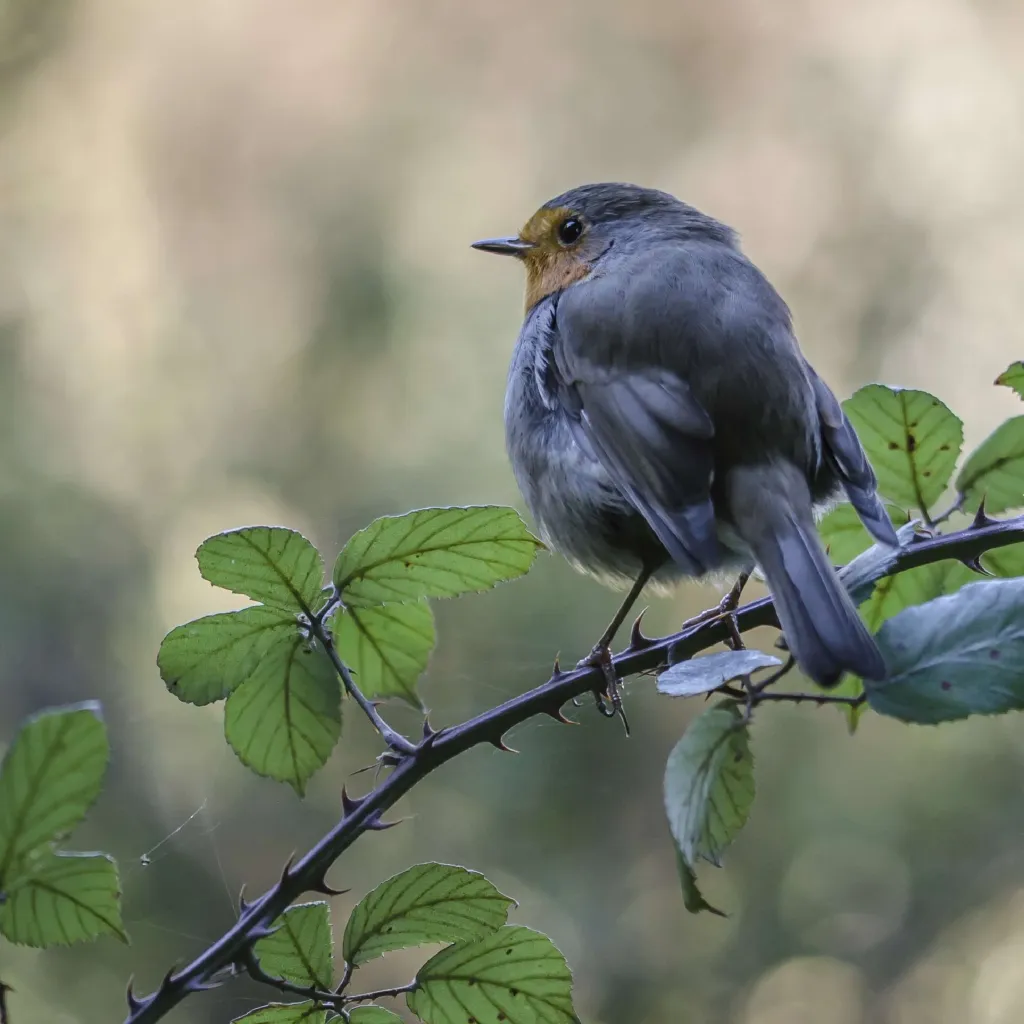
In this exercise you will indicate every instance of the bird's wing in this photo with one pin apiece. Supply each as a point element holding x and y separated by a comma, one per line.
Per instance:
<point>643,424</point>
<point>846,455</point>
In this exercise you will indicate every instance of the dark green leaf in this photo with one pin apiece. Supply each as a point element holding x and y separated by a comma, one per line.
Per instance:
<point>890,596</point>
<point>709,671</point>
<point>301,950</point>
<point>50,776</point>
<point>387,646</point>
<point>285,719</point>
<point>284,1013</point>
<point>1013,377</point>
<point>912,440</point>
<point>709,783</point>
<point>434,552</point>
<point>373,1015</point>
<point>514,975</point>
<point>205,659</point>
<point>426,903</point>
<point>61,898</point>
<point>913,586</point>
<point>995,469</point>
<point>693,898</point>
<point>843,533</point>
<point>955,656</point>
<point>267,563</point>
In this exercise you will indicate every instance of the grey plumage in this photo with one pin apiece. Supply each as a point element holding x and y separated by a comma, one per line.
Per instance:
<point>660,415</point>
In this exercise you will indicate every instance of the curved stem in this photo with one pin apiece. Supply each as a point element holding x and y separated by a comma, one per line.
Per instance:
<point>437,748</point>
<point>395,740</point>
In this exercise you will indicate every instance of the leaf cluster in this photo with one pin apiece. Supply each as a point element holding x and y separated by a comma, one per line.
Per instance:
<point>488,971</point>
<point>953,646</point>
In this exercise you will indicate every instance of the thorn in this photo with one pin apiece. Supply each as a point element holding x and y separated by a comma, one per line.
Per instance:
<point>637,640</point>
<point>320,885</point>
<point>428,730</point>
<point>982,518</point>
<point>556,670</point>
<point>975,565</point>
<point>348,803</point>
<point>382,826</point>
<point>556,714</point>
<point>286,870</point>
<point>243,903</point>
<point>134,1002</point>
<point>503,746</point>
<point>168,980</point>
<point>202,986</point>
<point>262,931</point>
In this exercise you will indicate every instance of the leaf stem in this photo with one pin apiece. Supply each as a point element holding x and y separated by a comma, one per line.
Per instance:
<point>382,993</point>
<point>395,740</point>
<point>961,500</point>
<point>256,972</point>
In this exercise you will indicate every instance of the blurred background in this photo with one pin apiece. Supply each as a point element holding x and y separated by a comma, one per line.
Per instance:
<point>236,287</point>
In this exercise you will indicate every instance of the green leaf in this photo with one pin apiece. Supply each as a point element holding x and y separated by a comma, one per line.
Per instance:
<point>204,660</point>
<point>912,440</point>
<point>267,563</point>
<point>844,535</point>
<point>1013,377</point>
<point>373,1015</point>
<point>995,469</point>
<point>301,950</point>
<point>285,719</point>
<point>62,898</point>
<point>709,783</point>
<point>913,586</point>
<point>50,775</point>
<point>709,671</point>
<point>693,898</point>
<point>512,976</point>
<point>434,552</point>
<point>426,903</point>
<point>955,656</point>
<point>386,646</point>
<point>890,596</point>
<point>284,1013</point>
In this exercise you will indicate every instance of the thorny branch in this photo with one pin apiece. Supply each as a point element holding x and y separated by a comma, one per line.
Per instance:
<point>231,950</point>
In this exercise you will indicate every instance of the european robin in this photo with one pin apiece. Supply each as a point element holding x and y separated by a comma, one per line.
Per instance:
<point>662,421</point>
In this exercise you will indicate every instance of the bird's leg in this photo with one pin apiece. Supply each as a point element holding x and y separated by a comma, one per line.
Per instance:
<point>601,655</point>
<point>728,606</point>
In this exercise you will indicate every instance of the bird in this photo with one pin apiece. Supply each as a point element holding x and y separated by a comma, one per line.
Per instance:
<point>662,421</point>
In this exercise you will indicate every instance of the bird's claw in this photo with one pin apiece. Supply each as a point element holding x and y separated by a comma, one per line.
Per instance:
<point>609,699</point>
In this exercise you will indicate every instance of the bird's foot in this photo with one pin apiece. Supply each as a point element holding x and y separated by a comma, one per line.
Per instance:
<point>725,609</point>
<point>608,699</point>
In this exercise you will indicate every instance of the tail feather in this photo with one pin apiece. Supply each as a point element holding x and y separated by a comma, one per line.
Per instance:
<point>821,624</point>
<point>771,507</point>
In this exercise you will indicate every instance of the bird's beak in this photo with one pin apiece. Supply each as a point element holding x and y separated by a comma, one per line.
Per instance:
<point>504,246</point>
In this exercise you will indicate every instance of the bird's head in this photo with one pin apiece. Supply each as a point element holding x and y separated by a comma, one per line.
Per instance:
<point>566,239</point>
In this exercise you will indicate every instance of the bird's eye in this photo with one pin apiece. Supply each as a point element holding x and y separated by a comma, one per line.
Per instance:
<point>569,231</point>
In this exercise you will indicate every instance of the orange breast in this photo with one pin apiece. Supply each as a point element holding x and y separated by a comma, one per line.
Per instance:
<point>550,271</point>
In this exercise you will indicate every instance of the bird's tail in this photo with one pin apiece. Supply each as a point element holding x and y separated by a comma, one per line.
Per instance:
<point>771,509</point>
